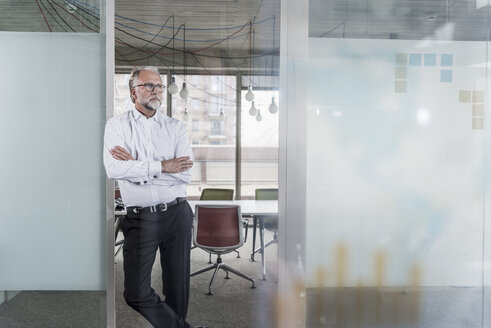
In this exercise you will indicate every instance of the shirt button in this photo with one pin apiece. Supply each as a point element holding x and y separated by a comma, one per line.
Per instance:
<point>144,181</point>
<point>155,177</point>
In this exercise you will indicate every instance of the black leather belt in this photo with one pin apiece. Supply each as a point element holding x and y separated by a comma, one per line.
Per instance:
<point>156,208</point>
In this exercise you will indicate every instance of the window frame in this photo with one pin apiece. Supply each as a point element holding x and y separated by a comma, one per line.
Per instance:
<point>239,89</point>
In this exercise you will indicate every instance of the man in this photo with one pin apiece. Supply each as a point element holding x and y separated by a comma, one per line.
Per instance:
<point>149,154</point>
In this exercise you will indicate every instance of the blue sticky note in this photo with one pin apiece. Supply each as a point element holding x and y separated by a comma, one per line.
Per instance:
<point>415,60</point>
<point>446,76</point>
<point>430,59</point>
<point>446,60</point>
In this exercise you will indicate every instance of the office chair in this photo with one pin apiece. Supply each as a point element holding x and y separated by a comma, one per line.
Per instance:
<point>118,220</point>
<point>117,227</point>
<point>219,194</point>
<point>217,229</point>
<point>222,194</point>
<point>268,222</point>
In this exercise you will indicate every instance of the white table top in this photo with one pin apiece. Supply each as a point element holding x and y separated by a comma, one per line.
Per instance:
<point>247,207</point>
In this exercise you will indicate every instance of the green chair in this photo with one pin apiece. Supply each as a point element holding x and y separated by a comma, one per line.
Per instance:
<point>217,194</point>
<point>269,222</point>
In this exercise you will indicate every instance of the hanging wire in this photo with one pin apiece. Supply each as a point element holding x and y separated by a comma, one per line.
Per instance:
<point>250,51</point>
<point>166,62</point>
<point>86,12</point>
<point>215,102</point>
<point>210,73</point>
<point>235,36</point>
<point>173,38</point>
<point>69,13</point>
<point>253,51</point>
<point>44,16</point>
<point>207,92</point>
<point>79,3</point>
<point>129,61</point>
<point>173,46</point>
<point>155,36</point>
<point>184,51</point>
<point>333,29</point>
<point>53,17</point>
<point>58,14</point>
<point>274,44</point>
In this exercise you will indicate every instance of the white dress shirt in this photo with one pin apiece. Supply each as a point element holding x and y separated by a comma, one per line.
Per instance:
<point>149,141</point>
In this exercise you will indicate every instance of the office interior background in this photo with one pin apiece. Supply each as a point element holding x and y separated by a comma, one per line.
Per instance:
<point>379,148</point>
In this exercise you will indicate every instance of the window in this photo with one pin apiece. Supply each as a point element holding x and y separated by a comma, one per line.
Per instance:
<point>195,125</point>
<point>213,139</point>
<point>259,143</point>
<point>217,127</point>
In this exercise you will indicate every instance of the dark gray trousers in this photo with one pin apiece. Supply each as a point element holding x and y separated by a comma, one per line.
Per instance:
<point>170,232</point>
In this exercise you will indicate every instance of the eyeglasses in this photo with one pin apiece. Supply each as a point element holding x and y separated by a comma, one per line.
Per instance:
<point>150,87</point>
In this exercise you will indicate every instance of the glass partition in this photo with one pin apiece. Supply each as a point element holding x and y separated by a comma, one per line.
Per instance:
<point>61,16</point>
<point>397,162</point>
<point>53,236</point>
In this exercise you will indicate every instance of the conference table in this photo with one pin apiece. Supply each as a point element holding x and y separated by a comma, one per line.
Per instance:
<point>257,209</point>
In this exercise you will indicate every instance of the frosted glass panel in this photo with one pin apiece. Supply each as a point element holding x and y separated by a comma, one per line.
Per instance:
<point>52,194</point>
<point>396,153</point>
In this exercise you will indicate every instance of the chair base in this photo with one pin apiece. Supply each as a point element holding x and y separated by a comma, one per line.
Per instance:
<point>258,250</point>
<point>217,266</point>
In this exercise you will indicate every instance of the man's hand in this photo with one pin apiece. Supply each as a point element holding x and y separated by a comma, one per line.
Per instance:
<point>177,165</point>
<point>121,154</point>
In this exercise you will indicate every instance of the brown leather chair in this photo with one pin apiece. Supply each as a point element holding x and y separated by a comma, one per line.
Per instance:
<point>217,229</point>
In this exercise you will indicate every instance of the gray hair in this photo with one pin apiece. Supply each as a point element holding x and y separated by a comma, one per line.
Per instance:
<point>134,76</point>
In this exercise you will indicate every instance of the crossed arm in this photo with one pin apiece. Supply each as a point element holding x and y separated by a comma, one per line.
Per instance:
<point>121,165</point>
<point>175,165</point>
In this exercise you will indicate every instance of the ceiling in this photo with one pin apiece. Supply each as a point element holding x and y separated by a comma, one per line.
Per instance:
<point>400,19</point>
<point>141,37</point>
<point>209,42</point>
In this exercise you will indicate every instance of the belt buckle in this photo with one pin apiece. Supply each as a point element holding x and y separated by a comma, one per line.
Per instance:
<point>165,207</point>
<point>135,210</point>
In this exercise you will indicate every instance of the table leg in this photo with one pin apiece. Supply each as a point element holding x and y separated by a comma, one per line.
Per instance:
<point>254,225</point>
<point>261,236</point>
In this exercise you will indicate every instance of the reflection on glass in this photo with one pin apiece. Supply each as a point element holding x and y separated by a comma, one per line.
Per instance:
<point>396,161</point>
<point>70,16</point>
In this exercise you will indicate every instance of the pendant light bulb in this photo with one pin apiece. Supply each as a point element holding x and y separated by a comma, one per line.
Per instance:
<point>253,110</point>
<point>184,91</point>
<point>249,95</point>
<point>259,117</point>
<point>221,117</point>
<point>186,115</point>
<point>173,88</point>
<point>273,108</point>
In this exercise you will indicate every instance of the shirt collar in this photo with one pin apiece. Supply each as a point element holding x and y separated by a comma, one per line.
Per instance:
<point>139,116</point>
